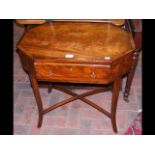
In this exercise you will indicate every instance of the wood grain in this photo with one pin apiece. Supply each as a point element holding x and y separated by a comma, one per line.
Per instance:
<point>118,22</point>
<point>94,42</point>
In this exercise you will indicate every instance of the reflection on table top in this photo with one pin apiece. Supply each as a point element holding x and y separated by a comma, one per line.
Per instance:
<point>79,41</point>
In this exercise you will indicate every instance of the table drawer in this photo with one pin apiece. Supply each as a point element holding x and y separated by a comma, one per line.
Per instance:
<point>72,72</point>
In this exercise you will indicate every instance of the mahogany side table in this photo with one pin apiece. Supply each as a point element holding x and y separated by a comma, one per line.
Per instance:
<point>78,52</point>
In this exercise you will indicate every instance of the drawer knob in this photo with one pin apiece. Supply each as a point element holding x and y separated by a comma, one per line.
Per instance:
<point>93,75</point>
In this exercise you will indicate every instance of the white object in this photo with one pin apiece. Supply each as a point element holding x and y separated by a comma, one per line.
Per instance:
<point>107,58</point>
<point>69,56</point>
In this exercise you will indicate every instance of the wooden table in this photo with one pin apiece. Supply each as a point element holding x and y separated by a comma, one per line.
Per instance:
<point>79,52</point>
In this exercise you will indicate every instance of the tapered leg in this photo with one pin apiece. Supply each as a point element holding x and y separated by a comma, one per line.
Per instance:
<point>38,99</point>
<point>49,89</point>
<point>130,77</point>
<point>115,94</point>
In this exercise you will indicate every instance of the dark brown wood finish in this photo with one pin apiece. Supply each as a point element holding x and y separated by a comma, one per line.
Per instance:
<point>115,94</point>
<point>130,76</point>
<point>28,65</point>
<point>80,52</point>
<point>136,30</point>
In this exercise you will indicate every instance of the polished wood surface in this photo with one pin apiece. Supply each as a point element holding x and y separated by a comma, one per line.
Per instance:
<point>30,21</point>
<point>61,40</point>
<point>118,22</point>
<point>78,52</point>
<point>88,73</point>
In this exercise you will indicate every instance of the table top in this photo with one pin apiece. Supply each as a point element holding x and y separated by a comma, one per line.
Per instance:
<point>118,22</point>
<point>30,21</point>
<point>78,41</point>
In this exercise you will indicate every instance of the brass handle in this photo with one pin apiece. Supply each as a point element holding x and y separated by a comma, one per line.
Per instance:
<point>93,75</point>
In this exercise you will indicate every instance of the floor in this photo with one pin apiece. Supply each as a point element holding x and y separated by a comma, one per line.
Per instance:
<point>75,118</point>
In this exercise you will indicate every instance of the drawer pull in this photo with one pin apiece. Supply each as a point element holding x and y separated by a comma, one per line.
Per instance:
<point>93,75</point>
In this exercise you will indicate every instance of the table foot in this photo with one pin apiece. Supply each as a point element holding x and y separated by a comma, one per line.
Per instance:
<point>40,120</point>
<point>50,89</point>
<point>125,97</point>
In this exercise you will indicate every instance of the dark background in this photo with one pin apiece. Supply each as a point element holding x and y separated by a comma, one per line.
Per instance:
<point>6,76</point>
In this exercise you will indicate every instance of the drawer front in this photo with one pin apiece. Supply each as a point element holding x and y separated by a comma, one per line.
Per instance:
<point>72,72</point>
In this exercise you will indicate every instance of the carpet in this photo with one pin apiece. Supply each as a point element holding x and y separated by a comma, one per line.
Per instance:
<point>136,127</point>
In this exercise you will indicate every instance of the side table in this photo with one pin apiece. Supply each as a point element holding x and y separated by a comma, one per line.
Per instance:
<point>78,52</point>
